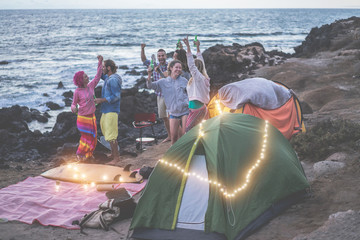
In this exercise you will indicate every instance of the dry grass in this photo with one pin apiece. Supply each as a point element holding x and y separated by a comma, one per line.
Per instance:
<point>326,138</point>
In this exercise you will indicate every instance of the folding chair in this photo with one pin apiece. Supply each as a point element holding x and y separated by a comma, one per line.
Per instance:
<point>143,120</point>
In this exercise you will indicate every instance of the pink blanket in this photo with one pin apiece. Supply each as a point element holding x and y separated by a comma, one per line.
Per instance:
<point>36,199</point>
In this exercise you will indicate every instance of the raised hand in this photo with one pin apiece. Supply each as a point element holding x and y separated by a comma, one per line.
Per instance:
<point>186,41</point>
<point>143,57</point>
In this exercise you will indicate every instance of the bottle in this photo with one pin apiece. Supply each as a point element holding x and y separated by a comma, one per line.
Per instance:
<point>178,45</point>
<point>94,100</point>
<point>153,61</point>
<point>195,40</point>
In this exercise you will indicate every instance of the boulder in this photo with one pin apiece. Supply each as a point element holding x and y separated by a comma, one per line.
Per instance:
<point>65,127</point>
<point>11,119</point>
<point>60,85</point>
<point>226,64</point>
<point>342,34</point>
<point>340,225</point>
<point>327,167</point>
<point>53,106</point>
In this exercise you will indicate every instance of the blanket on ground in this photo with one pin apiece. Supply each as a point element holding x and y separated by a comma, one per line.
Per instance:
<point>36,200</point>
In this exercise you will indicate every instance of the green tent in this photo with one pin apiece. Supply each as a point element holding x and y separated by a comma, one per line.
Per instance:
<point>222,185</point>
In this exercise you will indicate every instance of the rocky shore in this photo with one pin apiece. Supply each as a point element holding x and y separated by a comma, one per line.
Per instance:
<point>224,64</point>
<point>324,72</point>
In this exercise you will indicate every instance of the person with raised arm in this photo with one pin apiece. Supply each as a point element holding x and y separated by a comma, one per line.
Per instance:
<point>173,88</point>
<point>110,108</point>
<point>84,106</point>
<point>159,72</point>
<point>198,87</point>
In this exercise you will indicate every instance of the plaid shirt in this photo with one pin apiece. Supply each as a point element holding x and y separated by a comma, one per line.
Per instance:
<point>156,75</point>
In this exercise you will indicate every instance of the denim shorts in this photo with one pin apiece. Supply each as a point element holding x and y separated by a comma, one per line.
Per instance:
<point>177,117</point>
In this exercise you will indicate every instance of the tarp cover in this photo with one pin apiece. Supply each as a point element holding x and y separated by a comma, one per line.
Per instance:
<point>285,118</point>
<point>257,91</point>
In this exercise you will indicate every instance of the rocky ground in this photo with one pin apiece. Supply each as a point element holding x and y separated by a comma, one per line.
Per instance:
<point>325,75</point>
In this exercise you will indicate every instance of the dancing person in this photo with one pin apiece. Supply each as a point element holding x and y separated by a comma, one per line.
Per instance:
<point>86,120</point>
<point>158,73</point>
<point>198,87</point>
<point>180,54</point>
<point>110,108</point>
<point>173,88</point>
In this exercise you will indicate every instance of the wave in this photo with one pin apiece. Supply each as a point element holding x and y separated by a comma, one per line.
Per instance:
<point>211,40</point>
<point>182,35</point>
<point>7,78</point>
<point>266,34</point>
<point>27,86</point>
<point>106,36</point>
<point>6,62</point>
<point>112,44</point>
<point>243,34</point>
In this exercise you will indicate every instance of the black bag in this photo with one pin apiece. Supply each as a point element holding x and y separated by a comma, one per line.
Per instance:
<point>120,205</point>
<point>145,171</point>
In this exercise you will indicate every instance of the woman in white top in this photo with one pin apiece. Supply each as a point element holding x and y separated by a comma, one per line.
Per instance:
<point>198,87</point>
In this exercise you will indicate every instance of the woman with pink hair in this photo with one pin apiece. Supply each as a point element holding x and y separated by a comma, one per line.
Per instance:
<point>84,106</point>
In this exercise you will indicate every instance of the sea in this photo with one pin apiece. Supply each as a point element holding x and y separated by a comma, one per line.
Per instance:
<point>40,48</point>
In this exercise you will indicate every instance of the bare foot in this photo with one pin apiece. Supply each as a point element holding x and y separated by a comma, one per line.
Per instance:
<point>166,140</point>
<point>114,162</point>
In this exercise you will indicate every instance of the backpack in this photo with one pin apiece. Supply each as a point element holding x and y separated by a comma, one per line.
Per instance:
<point>120,205</point>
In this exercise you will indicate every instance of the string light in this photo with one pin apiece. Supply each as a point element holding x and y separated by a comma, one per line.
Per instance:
<point>201,132</point>
<point>57,186</point>
<point>78,176</point>
<point>249,173</point>
<point>217,102</point>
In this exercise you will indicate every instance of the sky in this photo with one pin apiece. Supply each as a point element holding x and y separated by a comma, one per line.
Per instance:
<point>174,4</point>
